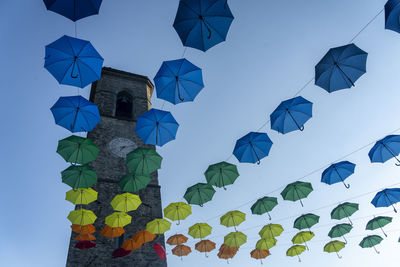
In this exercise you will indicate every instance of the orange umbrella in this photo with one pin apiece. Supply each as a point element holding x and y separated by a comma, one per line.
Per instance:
<point>205,246</point>
<point>226,252</point>
<point>181,250</point>
<point>112,232</point>
<point>83,230</point>
<point>259,254</point>
<point>143,237</point>
<point>177,240</point>
<point>131,244</point>
<point>82,237</point>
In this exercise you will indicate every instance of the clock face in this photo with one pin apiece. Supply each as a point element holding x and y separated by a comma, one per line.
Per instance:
<point>121,146</point>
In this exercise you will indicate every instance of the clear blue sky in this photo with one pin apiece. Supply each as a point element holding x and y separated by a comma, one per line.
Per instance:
<point>270,53</point>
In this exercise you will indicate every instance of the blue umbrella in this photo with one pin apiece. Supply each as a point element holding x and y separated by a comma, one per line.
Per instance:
<point>340,68</point>
<point>201,24</point>
<point>392,15</point>
<point>385,149</point>
<point>73,61</point>
<point>178,81</point>
<point>72,9</point>
<point>338,172</point>
<point>252,147</point>
<point>291,115</point>
<point>156,127</point>
<point>75,114</point>
<point>387,197</point>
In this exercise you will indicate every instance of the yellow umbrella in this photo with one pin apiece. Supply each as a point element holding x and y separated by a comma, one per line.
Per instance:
<point>200,230</point>
<point>266,244</point>
<point>126,202</point>
<point>235,239</point>
<point>118,219</point>
<point>82,217</point>
<point>81,196</point>
<point>158,226</point>
<point>177,211</point>
<point>271,231</point>
<point>233,218</point>
<point>303,237</point>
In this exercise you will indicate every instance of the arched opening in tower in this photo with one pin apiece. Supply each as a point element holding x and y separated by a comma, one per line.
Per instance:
<point>124,105</point>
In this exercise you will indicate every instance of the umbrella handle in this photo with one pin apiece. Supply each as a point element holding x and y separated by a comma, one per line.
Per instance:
<point>377,252</point>
<point>269,216</point>
<point>338,255</point>
<point>346,185</point>
<point>394,208</point>
<point>73,68</point>
<point>397,164</point>
<point>299,258</point>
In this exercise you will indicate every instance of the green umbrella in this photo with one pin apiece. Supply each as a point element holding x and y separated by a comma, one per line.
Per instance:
<point>233,218</point>
<point>221,174</point>
<point>78,150</point>
<point>303,237</point>
<point>132,182</point>
<point>295,250</point>
<point>344,210</point>
<point>143,160</point>
<point>306,221</point>
<point>235,239</point>
<point>79,176</point>
<point>297,191</point>
<point>264,244</point>
<point>340,230</point>
<point>199,194</point>
<point>264,205</point>
<point>371,241</point>
<point>200,230</point>
<point>378,222</point>
<point>334,246</point>
<point>271,231</point>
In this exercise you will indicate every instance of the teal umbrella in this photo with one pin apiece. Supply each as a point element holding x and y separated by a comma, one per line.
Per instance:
<point>143,160</point>
<point>340,230</point>
<point>199,194</point>
<point>378,222</point>
<point>221,174</point>
<point>133,182</point>
<point>371,241</point>
<point>264,205</point>
<point>79,176</point>
<point>306,221</point>
<point>77,150</point>
<point>297,191</point>
<point>344,210</point>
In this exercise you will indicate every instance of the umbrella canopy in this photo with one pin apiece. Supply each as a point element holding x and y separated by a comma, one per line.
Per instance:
<point>74,10</point>
<point>385,149</point>
<point>79,177</point>
<point>88,237</point>
<point>297,191</point>
<point>112,232</point>
<point>295,250</point>
<point>371,241</point>
<point>77,150</point>
<point>235,239</point>
<point>200,230</point>
<point>226,252</point>
<point>83,229</point>
<point>177,211</point>
<point>259,254</point>
<point>392,15</point>
<point>344,210</point>
<point>75,114</point>
<point>156,127</point>
<point>131,244</point>
<point>81,196</point>
<point>177,239</point>
<point>387,197</point>
<point>143,161</point>
<point>233,218</point>
<point>120,252</point>
<point>266,243</point>
<point>378,222</point>
<point>334,246</point>
<point>85,244</point>
<point>143,237</point>
<point>178,81</point>
<point>340,230</point>
<point>252,147</point>
<point>264,205</point>
<point>205,246</point>
<point>203,24</point>
<point>291,115</point>
<point>118,219</point>
<point>132,182</point>
<point>82,217</point>
<point>158,226</point>
<point>306,221</point>
<point>303,237</point>
<point>73,61</point>
<point>338,172</point>
<point>221,174</point>
<point>270,231</point>
<point>340,68</point>
<point>199,194</point>
<point>181,250</point>
<point>126,202</point>
<point>160,251</point>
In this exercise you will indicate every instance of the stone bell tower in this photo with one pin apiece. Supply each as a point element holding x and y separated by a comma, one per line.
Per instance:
<point>121,98</point>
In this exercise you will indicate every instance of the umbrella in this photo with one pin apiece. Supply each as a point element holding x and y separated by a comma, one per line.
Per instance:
<point>392,14</point>
<point>334,246</point>
<point>233,218</point>
<point>79,176</point>
<point>143,237</point>
<point>295,250</point>
<point>385,149</point>
<point>74,10</point>
<point>378,222</point>
<point>156,127</point>
<point>112,232</point>
<point>85,244</point>
<point>371,241</point>
<point>264,205</point>
<point>81,196</point>
<point>271,231</point>
<point>73,61</point>
<point>160,251</point>
<point>177,239</point>
<point>118,219</point>
<point>88,237</point>
<point>131,244</point>
<point>199,194</point>
<point>77,150</point>
<point>235,239</point>
<point>143,160</point>
<point>158,226</point>
<point>82,217</point>
<point>83,229</point>
<point>297,191</point>
<point>306,221</point>
<point>340,68</point>
<point>75,114</point>
<point>303,237</point>
<point>387,197</point>
<point>226,252</point>
<point>291,115</point>
<point>338,172</point>
<point>177,211</point>
<point>221,174</point>
<point>178,81</point>
<point>132,182</point>
<point>205,246</point>
<point>252,147</point>
<point>203,24</point>
<point>120,252</point>
<point>126,202</point>
<point>344,210</point>
<point>340,230</point>
<point>181,251</point>
<point>259,254</point>
<point>200,230</point>
<point>266,243</point>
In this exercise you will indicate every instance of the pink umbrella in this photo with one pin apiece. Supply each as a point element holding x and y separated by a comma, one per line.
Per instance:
<point>85,244</point>
<point>160,251</point>
<point>120,252</point>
